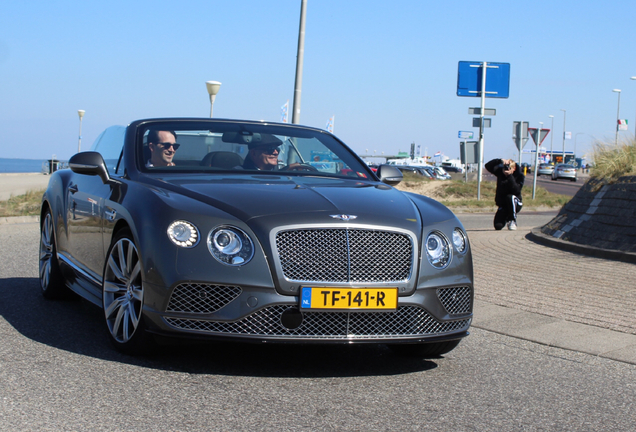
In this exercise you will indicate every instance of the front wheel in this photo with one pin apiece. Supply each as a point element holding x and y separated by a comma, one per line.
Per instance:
<point>123,296</point>
<point>51,279</point>
<point>425,350</point>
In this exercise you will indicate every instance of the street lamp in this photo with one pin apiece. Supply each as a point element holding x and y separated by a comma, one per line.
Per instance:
<point>213,89</point>
<point>79,141</point>
<point>577,134</point>
<point>618,112</point>
<point>563,161</point>
<point>551,138</point>
<point>634,78</point>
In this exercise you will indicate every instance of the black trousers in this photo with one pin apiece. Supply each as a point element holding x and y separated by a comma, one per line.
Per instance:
<point>508,212</point>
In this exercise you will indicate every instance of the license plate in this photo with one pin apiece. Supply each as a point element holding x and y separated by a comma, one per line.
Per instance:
<point>348,298</point>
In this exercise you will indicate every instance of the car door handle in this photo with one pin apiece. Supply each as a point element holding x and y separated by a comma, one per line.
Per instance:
<point>110,214</point>
<point>72,188</point>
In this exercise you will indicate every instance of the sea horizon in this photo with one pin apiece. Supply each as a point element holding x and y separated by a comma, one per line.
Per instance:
<point>21,165</point>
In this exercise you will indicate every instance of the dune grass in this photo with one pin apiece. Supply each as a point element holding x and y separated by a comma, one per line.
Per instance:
<point>612,161</point>
<point>22,205</point>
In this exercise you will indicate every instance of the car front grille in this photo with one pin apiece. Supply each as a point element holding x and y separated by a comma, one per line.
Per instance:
<point>201,298</point>
<point>406,321</point>
<point>345,255</point>
<point>456,300</point>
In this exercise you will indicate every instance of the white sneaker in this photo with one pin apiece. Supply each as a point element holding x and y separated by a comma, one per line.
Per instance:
<point>512,225</point>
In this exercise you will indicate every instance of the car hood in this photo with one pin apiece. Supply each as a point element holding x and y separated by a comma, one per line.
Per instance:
<point>275,200</point>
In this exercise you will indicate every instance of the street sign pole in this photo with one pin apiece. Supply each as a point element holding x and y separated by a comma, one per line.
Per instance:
<point>536,160</point>
<point>484,67</point>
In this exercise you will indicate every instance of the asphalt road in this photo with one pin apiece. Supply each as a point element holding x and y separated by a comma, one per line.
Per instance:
<point>562,186</point>
<point>57,372</point>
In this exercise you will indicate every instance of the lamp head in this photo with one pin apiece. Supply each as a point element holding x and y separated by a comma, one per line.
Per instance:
<point>81,113</point>
<point>616,90</point>
<point>213,87</point>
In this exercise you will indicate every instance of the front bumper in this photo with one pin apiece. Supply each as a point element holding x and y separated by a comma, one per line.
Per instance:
<point>218,312</point>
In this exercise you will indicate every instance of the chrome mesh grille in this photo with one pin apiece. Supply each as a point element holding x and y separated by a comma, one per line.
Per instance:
<point>345,255</point>
<point>201,298</point>
<point>456,300</point>
<point>407,321</point>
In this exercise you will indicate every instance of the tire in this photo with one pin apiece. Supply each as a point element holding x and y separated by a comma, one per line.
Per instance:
<point>554,179</point>
<point>123,297</point>
<point>425,350</point>
<point>52,282</point>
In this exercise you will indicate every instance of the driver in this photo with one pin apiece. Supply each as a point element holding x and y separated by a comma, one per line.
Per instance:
<point>263,155</point>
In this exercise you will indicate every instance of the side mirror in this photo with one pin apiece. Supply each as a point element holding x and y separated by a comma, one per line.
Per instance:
<point>389,174</point>
<point>89,163</point>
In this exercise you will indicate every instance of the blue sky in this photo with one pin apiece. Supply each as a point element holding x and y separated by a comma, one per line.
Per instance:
<point>387,71</point>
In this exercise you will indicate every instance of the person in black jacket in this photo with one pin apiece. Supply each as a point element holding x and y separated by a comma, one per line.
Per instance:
<point>508,196</point>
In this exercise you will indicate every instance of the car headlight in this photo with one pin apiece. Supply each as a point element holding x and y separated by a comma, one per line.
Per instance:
<point>183,234</point>
<point>438,250</point>
<point>230,245</point>
<point>459,240</point>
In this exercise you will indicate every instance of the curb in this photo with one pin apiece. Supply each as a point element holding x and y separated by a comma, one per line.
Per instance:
<point>539,237</point>
<point>19,220</point>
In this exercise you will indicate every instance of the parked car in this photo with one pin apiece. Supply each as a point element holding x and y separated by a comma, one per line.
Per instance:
<point>443,175</point>
<point>527,167</point>
<point>450,169</point>
<point>317,249</point>
<point>545,169</point>
<point>406,169</point>
<point>565,171</point>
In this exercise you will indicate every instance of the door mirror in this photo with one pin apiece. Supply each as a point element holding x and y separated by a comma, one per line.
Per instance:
<point>389,174</point>
<point>89,163</point>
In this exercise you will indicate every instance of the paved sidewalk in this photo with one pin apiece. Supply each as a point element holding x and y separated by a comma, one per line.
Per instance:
<point>552,296</point>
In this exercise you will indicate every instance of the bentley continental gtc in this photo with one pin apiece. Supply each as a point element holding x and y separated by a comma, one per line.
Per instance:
<point>255,232</point>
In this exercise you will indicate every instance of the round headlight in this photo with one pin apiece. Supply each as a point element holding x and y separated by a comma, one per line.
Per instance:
<point>183,234</point>
<point>459,240</point>
<point>438,250</point>
<point>230,245</point>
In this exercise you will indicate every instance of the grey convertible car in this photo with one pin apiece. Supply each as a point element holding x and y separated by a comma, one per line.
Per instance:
<point>252,231</point>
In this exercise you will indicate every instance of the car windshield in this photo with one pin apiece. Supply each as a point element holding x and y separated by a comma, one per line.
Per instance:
<point>218,146</point>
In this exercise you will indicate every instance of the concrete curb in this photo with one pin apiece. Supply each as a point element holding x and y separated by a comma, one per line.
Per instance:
<point>19,220</point>
<point>555,332</point>
<point>539,237</point>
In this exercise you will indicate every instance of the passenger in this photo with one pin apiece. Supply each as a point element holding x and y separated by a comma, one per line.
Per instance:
<point>163,145</point>
<point>263,155</point>
<point>510,180</point>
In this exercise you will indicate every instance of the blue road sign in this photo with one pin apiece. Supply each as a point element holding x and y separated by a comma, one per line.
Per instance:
<point>497,79</point>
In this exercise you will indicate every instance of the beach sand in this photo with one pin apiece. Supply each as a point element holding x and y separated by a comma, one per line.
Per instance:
<point>13,184</point>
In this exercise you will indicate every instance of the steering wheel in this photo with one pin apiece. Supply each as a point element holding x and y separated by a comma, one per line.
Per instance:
<point>300,167</point>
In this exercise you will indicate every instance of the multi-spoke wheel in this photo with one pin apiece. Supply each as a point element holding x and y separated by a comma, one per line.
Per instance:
<point>425,350</point>
<point>123,296</point>
<point>51,279</point>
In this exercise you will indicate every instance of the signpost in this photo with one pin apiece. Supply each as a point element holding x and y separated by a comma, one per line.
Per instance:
<point>471,81</point>
<point>469,151</point>
<point>538,135</point>
<point>520,135</point>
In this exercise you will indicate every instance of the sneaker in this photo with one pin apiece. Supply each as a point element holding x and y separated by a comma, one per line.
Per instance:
<point>512,225</point>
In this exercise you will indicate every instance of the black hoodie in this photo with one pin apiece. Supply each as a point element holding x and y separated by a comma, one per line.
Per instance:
<point>506,185</point>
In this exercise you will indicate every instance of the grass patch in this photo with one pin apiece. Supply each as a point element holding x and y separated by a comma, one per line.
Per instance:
<point>22,205</point>
<point>612,161</point>
<point>460,194</point>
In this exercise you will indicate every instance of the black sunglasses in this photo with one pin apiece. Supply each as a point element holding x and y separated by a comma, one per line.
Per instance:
<point>269,149</point>
<point>168,145</point>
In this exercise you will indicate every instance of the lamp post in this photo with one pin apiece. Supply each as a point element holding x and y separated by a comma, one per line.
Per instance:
<point>618,112</point>
<point>213,89</point>
<point>551,138</point>
<point>577,134</point>
<point>79,141</point>
<point>563,161</point>
<point>634,78</point>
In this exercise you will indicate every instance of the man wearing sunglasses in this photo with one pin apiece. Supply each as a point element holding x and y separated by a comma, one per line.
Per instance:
<point>263,156</point>
<point>163,145</point>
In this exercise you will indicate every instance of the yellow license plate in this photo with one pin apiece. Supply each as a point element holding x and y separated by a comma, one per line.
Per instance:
<point>348,298</point>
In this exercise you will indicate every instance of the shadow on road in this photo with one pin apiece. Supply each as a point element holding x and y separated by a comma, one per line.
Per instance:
<point>76,326</point>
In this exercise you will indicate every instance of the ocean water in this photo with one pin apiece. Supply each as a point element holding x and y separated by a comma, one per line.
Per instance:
<point>20,165</point>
